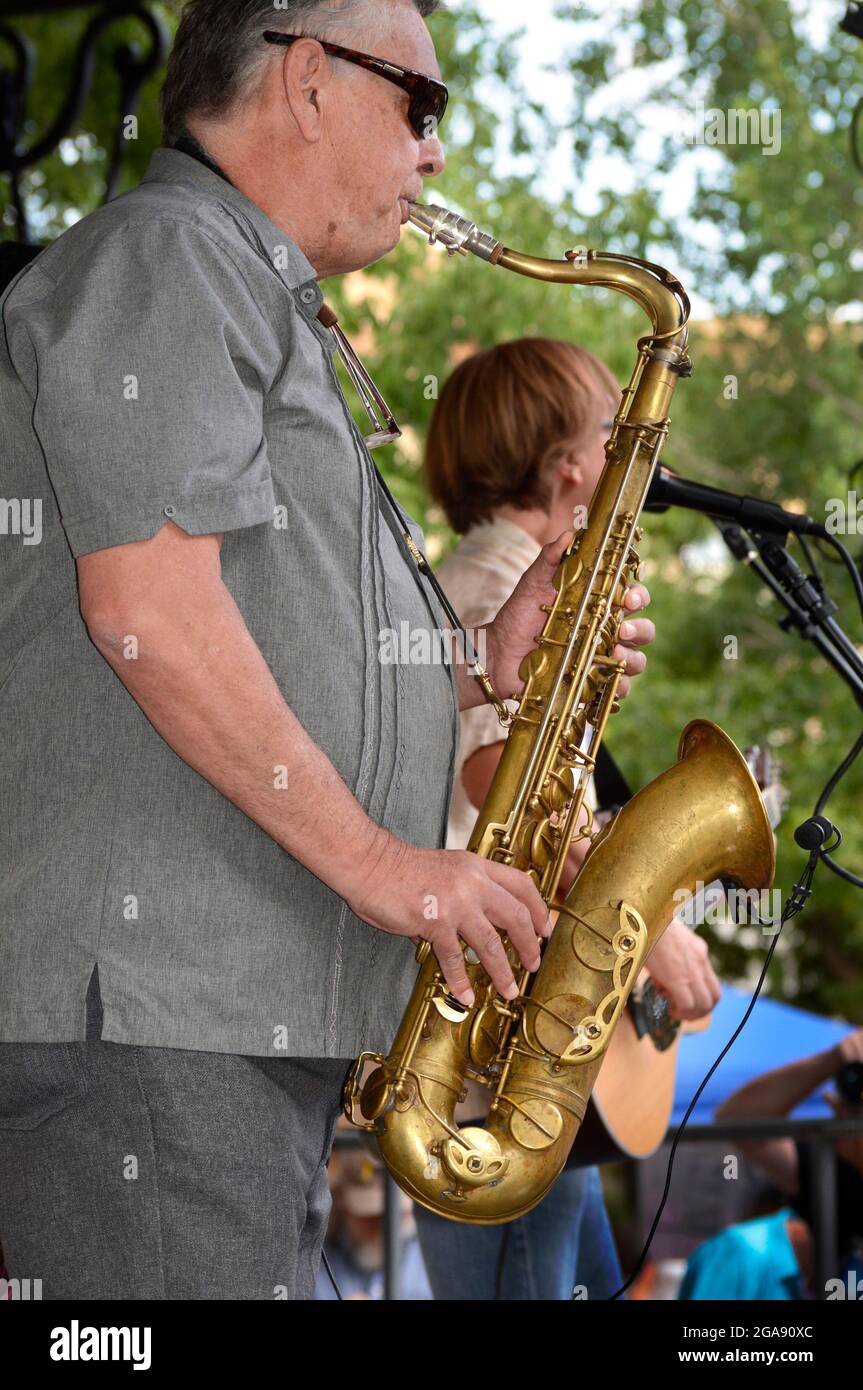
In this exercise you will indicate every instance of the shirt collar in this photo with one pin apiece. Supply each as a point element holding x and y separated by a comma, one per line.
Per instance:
<point>510,542</point>
<point>171,166</point>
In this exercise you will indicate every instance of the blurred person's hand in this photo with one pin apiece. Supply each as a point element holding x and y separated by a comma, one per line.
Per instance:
<point>680,969</point>
<point>849,1049</point>
<point>850,1146</point>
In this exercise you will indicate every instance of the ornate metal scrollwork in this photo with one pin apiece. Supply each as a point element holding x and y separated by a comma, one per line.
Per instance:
<point>132,65</point>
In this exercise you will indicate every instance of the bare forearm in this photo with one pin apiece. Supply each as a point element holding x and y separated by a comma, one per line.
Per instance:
<point>205,687</point>
<point>778,1092</point>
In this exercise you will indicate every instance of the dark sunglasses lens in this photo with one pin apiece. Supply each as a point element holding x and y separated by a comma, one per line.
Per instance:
<point>428,104</point>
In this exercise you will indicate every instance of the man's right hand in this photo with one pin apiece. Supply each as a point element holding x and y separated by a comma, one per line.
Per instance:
<point>447,897</point>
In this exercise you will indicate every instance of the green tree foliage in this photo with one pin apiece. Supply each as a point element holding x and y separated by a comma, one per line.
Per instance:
<point>771,242</point>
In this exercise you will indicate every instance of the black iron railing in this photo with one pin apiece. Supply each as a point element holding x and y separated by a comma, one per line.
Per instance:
<point>821,1135</point>
<point>133,64</point>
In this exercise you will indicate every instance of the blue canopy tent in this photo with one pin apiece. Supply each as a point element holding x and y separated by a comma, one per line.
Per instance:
<point>774,1035</point>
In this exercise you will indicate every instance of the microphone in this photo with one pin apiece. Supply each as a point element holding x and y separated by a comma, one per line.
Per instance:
<point>814,833</point>
<point>668,489</point>
<point>818,835</point>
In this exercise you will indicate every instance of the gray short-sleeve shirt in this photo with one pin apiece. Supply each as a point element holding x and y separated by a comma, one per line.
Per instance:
<point>163,360</point>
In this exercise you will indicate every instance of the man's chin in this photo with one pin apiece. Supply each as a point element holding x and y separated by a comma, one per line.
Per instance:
<point>383,239</point>
<point>386,244</point>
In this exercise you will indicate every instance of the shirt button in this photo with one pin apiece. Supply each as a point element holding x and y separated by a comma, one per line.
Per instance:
<point>170,511</point>
<point>308,295</point>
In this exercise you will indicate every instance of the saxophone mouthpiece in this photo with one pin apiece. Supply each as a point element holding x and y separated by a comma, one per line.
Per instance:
<point>456,233</point>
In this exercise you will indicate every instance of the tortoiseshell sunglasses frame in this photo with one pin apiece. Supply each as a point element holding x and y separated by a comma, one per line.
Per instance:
<point>428,96</point>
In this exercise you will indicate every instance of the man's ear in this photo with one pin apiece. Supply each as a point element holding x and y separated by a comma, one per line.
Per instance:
<point>306,77</point>
<point>570,467</point>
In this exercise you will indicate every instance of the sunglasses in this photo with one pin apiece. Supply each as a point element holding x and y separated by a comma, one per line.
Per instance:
<point>428,97</point>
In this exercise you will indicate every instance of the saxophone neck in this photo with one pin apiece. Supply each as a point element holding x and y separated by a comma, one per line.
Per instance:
<point>456,233</point>
<point>658,292</point>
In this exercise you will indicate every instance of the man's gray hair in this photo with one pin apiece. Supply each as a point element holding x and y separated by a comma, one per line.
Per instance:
<point>218,48</point>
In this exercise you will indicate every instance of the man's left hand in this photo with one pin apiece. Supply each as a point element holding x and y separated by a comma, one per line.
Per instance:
<point>515,629</point>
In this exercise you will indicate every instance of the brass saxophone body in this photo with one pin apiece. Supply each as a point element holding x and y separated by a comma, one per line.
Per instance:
<point>703,819</point>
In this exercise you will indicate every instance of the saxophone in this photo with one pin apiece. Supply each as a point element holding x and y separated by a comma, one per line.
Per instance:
<point>703,819</point>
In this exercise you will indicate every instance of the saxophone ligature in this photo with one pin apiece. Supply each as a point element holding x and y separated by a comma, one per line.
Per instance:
<point>703,819</point>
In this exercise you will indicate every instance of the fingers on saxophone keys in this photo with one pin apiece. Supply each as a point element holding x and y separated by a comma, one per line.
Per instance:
<point>636,597</point>
<point>450,957</point>
<point>637,632</point>
<point>635,662</point>
<point>514,917</point>
<point>520,886</point>
<point>490,949</point>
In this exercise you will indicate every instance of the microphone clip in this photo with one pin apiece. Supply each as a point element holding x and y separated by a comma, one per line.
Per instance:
<point>820,836</point>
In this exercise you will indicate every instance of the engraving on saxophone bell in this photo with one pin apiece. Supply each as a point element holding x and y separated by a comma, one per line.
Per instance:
<point>540,1053</point>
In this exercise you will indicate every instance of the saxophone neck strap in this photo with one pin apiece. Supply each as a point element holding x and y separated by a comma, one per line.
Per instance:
<point>187,144</point>
<point>422,566</point>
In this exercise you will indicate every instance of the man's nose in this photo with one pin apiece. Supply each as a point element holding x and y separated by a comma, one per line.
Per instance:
<point>432,158</point>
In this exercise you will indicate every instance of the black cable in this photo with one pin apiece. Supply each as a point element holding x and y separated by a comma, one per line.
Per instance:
<point>837,776</point>
<point>848,561</point>
<point>328,1268</point>
<point>810,560</point>
<point>822,801</point>
<point>667,1189</point>
<point>841,872</point>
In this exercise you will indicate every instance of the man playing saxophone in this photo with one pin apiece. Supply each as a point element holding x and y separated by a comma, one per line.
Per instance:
<point>225,814</point>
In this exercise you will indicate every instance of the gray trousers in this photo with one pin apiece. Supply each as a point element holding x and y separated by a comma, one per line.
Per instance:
<point>138,1173</point>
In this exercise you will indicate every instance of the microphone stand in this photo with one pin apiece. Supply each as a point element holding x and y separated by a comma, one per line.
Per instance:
<point>808,609</point>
